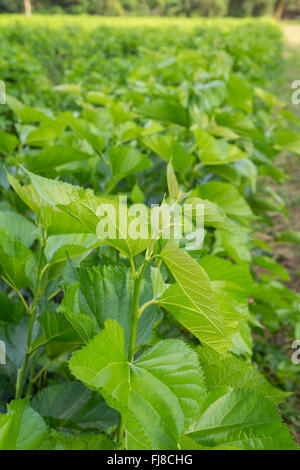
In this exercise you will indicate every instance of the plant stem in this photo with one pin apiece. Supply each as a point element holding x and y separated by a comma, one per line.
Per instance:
<point>134,319</point>
<point>137,277</point>
<point>146,305</point>
<point>23,371</point>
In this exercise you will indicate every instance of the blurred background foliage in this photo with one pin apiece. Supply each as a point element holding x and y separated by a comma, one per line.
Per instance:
<point>208,8</point>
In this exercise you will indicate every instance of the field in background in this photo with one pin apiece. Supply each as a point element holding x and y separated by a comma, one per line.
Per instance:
<point>56,63</point>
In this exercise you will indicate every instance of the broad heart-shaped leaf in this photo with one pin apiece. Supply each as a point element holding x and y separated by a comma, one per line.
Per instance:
<point>105,292</point>
<point>56,192</point>
<point>88,409</point>
<point>83,130</point>
<point>227,197</point>
<point>169,149</point>
<point>286,139</point>
<point>59,206</point>
<point>8,142</point>
<point>14,257</point>
<point>125,160</point>
<point>11,311</point>
<point>211,95</point>
<point>214,215</point>
<point>242,342</point>
<point>192,301</point>
<point>19,226</point>
<point>231,285</point>
<point>60,334</point>
<point>220,269</point>
<point>241,418</point>
<point>76,246</point>
<point>214,151</point>
<point>239,94</point>
<point>237,373</point>
<point>236,245</point>
<point>275,269</point>
<point>158,395</point>
<point>46,132</point>
<point>54,156</point>
<point>14,337</point>
<point>165,111</point>
<point>21,428</point>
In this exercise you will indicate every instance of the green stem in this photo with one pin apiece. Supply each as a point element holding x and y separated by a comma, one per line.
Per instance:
<point>137,277</point>
<point>23,371</point>
<point>120,429</point>
<point>146,305</point>
<point>10,283</point>
<point>135,315</point>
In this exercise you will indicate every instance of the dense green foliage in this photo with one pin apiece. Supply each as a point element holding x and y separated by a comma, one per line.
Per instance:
<point>210,8</point>
<point>140,344</point>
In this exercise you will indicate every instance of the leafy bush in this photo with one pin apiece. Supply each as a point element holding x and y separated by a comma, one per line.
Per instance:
<point>148,339</point>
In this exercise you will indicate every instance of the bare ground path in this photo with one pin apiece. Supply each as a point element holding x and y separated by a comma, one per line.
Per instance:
<point>292,34</point>
<point>289,254</point>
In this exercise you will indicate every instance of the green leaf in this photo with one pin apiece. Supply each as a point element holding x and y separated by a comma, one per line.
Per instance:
<point>286,139</point>
<point>158,284</point>
<point>172,182</point>
<point>28,114</point>
<point>107,292</point>
<point>214,216</point>
<point>191,299</point>
<point>15,338</point>
<point>53,157</point>
<point>239,123</point>
<point>18,226</point>
<point>274,268</point>
<point>223,270</point>
<point>232,371</point>
<point>227,197</point>
<point>241,418</point>
<point>115,223</point>
<point>137,195</point>
<point>242,342</point>
<point>11,312</point>
<point>8,142</point>
<point>165,111</point>
<point>14,258</point>
<point>47,132</point>
<point>289,236</point>
<point>21,428</point>
<point>231,285</point>
<point>125,160</point>
<point>239,94</point>
<point>54,220</point>
<point>169,149</point>
<point>211,95</point>
<point>89,411</point>
<point>62,441</point>
<point>153,394</point>
<point>83,131</point>
<point>186,443</point>
<point>56,192</point>
<point>59,332</point>
<point>84,324</point>
<point>215,151</point>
